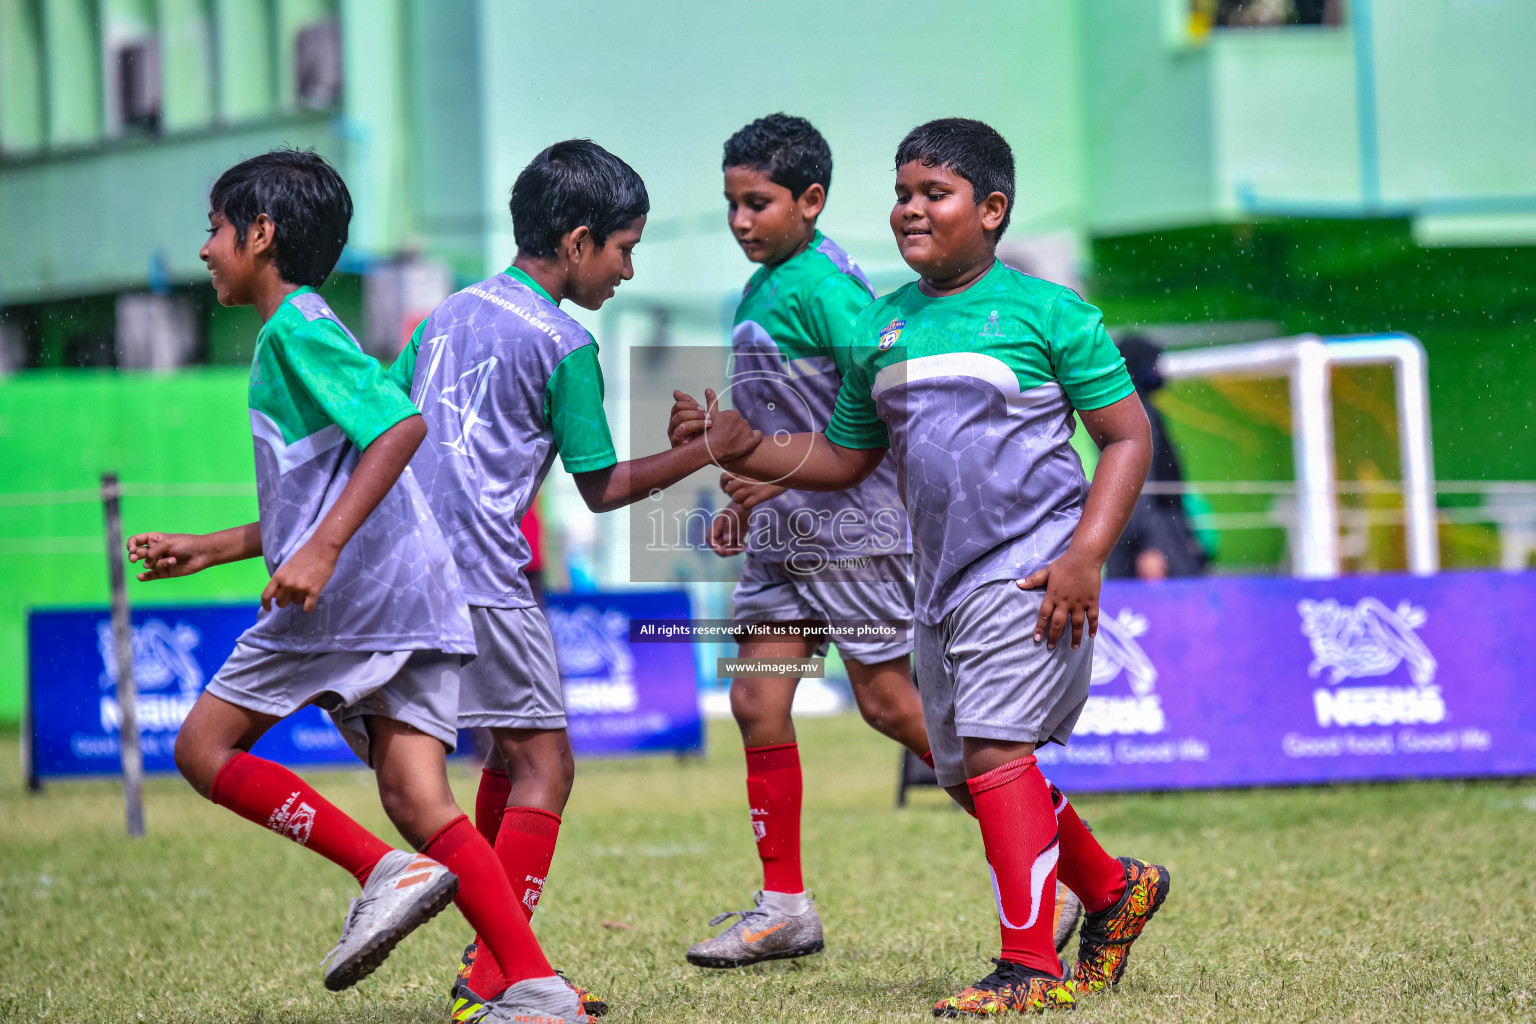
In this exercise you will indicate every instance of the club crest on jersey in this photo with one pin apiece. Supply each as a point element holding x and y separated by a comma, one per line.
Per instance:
<point>890,333</point>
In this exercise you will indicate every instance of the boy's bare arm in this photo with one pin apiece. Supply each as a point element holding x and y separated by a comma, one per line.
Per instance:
<point>300,579</point>
<point>168,555</point>
<point>807,462</point>
<point>728,436</point>
<point>1072,582</point>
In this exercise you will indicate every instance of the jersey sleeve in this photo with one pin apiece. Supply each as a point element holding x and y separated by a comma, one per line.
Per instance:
<point>403,371</point>
<point>345,383</point>
<point>1083,358</point>
<point>832,311</point>
<point>573,405</point>
<point>855,420</point>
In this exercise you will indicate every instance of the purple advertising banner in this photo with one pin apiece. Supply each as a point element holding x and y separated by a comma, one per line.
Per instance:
<point>1262,681</point>
<point>619,699</point>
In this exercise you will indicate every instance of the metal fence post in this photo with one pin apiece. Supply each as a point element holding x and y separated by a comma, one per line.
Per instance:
<point>122,638</point>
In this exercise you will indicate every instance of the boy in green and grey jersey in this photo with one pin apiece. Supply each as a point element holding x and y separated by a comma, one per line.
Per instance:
<point>813,558</point>
<point>506,379</point>
<point>969,379</point>
<point>364,615</point>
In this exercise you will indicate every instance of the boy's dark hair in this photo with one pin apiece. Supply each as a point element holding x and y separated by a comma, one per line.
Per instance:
<point>572,184</point>
<point>306,200</point>
<point>972,149</point>
<point>789,149</point>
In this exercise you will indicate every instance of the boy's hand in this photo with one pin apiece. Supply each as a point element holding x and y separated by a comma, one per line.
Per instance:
<point>167,555</point>
<point>1072,584</point>
<point>748,493</point>
<point>300,579</point>
<point>689,418</point>
<point>727,533</point>
<point>730,437</point>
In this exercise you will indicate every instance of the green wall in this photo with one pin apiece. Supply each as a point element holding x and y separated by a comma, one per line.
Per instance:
<point>60,431</point>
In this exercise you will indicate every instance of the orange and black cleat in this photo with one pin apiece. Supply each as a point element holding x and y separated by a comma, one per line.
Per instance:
<point>1104,945</point>
<point>1012,988</point>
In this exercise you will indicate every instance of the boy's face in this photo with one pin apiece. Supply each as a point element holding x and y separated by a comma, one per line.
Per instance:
<point>231,266</point>
<point>769,223</point>
<point>940,229</point>
<point>598,270</point>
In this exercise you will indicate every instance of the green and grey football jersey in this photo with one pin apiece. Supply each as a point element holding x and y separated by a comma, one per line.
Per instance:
<point>316,402</point>
<point>973,394</point>
<point>505,380</point>
<point>793,339</point>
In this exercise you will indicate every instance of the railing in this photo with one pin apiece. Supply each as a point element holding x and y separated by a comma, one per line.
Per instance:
<point>1507,505</point>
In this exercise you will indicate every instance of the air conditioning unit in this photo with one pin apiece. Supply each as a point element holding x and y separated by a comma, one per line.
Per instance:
<point>138,84</point>
<point>317,64</point>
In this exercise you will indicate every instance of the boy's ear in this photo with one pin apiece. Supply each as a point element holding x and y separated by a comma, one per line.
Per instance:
<point>993,209</point>
<point>812,201</point>
<point>577,243</point>
<point>261,236</point>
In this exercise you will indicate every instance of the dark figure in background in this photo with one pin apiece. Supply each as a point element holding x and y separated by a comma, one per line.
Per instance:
<point>1158,541</point>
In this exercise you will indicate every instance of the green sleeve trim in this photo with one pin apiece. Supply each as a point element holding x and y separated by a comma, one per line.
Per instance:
<point>573,407</point>
<point>1110,389</point>
<point>845,439</point>
<point>1083,357</point>
<point>403,371</point>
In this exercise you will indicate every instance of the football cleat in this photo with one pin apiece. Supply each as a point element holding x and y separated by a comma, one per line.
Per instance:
<point>464,1001</point>
<point>1012,988</point>
<point>404,892</point>
<point>762,934</point>
<point>590,1004</point>
<point>530,1001</point>
<point>1104,945</point>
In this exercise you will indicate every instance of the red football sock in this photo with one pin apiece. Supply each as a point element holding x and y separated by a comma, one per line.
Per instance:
<point>1018,830</point>
<point>486,901</point>
<point>927,758</point>
<point>491,802</point>
<point>773,796</point>
<point>273,796</point>
<point>525,848</point>
<point>1097,878</point>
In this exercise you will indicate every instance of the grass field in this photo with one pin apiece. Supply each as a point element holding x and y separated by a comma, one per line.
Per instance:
<point>1383,903</point>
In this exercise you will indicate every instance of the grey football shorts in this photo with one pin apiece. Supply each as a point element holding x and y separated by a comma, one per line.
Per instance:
<point>419,688</point>
<point>514,682</point>
<point>981,674</point>
<point>882,589</point>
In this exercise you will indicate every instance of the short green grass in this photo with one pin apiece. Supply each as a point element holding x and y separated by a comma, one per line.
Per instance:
<point>1398,903</point>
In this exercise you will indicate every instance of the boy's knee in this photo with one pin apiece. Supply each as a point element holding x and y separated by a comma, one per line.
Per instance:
<point>196,763</point>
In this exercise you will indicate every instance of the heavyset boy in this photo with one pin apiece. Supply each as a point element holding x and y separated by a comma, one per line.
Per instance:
<point>389,510</point>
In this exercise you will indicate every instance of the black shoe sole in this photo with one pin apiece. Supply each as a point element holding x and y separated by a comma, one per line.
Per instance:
<point>722,963</point>
<point>344,976</point>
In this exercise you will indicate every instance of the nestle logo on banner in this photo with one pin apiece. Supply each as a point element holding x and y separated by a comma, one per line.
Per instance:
<point>162,661</point>
<point>1117,653</point>
<point>595,661</point>
<point>1365,641</point>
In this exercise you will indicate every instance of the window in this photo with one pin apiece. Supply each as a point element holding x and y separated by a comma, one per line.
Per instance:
<point>138,85</point>
<point>1207,14</point>
<point>317,64</point>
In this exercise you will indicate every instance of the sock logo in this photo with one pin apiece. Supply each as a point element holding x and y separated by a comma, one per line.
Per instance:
<point>1039,873</point>
<point>533,892</point>
<point>759,824</point>
<point>295,819</point>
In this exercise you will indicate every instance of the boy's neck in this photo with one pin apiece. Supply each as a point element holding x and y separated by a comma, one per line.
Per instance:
<point>269,293</point>
<point>959,282</point>
<point>804,244</point>
<point>549,275</point>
